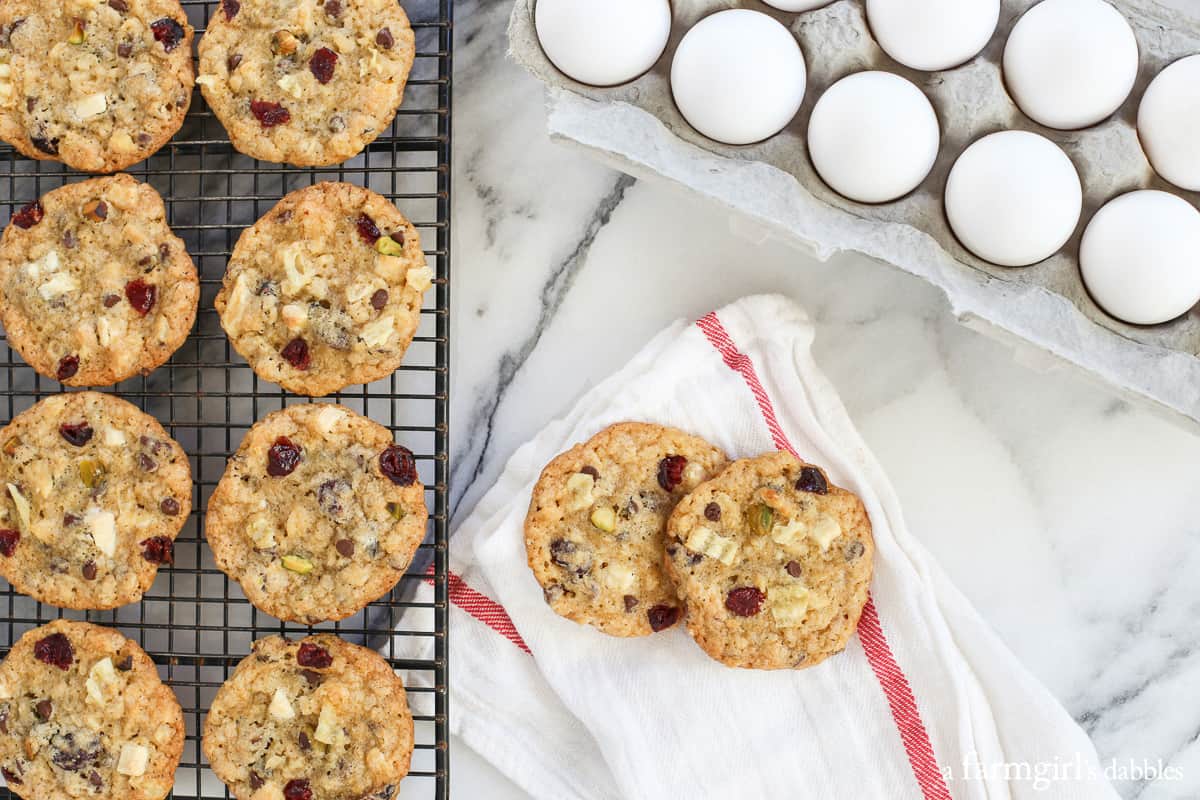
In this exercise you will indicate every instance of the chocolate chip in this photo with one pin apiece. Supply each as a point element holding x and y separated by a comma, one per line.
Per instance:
<point>125,664</point>
<point>662,617</point>
<point>169,506</point>
<point>45,144</point>
<point>630,603</point>
<point>95,780</point>
<point>305,744</point>
<point>712,512</point>
<point>590,470</point>
<point>333,8</point>
<point>44,710</point>
<point>379,299</point>
<point>69,241</point>
<point>125,49</point>
<point>232,62</point>
<point>147,463</point>
<point>794,569</point>
<point>812,480</point>
<point>385,39</point>
<point>256,781</point>
<point>111,300</point>
<point>313,678</point>
<point>345,547</point>
<point>854,550</point>
<point>89,571</point>
<point>118,5</point>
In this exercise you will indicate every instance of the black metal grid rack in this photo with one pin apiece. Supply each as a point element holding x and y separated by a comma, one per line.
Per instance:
<point>194,621</point>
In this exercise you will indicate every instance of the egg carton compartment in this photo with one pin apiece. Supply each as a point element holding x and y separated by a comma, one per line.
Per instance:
<point>637,127</point>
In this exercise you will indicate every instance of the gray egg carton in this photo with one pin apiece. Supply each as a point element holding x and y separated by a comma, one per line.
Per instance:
<point>637,128</point>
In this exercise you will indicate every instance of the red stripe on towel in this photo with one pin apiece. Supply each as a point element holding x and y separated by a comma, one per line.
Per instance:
<point>892,680</point>
<point>481,607</point>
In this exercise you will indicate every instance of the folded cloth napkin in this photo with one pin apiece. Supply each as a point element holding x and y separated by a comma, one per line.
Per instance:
<point>924,703</point>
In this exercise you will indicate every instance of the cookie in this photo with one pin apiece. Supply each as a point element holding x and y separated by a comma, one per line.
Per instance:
<point>84,714</point>
<point>773,562</point>
<point>318,513</point>
<point>594,532</point>
<point>325,290</point>
<point>94,287</point>
<point>95,492</point>
<point>307,82</point>
<point>96,85</point>
<point>318,718</point>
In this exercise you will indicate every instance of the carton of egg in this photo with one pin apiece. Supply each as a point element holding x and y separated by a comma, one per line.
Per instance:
<point>971,142</point>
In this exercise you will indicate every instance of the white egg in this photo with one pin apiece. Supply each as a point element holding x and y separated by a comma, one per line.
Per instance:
<point>1169,123</point>
<point>1070,63</point>
<point>933,34</point>
<point>1139,257</point>
<point>1013,198</point>
<point>738,76</point>
<point>873,137</point>
<point>797,5</point>
<point>603,42</point>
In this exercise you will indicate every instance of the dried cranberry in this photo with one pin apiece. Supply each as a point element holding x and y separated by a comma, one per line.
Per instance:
<point>118,5</point>
<point>385,39</point>
<point>630,602</point>
<point>12,777</point>
<point>256,781</point>
<point>398,465</point>
<point>312,655</point>
<point>29,216</point>
<point>296,353</point>
<point>89,571</point>
<point>269,114</point>
<point>67,367</point>
<point>55,650</point>
<point>169,506</point>
<point>670,472</point>
<point>297,789</point>
<point>367,229</point>
<point>111,300</point>
<point>47,146</point>
<point>147,463</point>
<point>158,550</point>
<point>8,541</point>
<point>712,512</point>
<point>282,457</point>
<point>745,601</point>
<point>321,64</point>
<point>233,61</point>
<point>379,299</point>
<point>345,547</point>
<point>167,32</point>
<point>794,569</point>
<point>303,739</point>
<point>231,8</point>
<point>141,295</point>
<point>812,480</point>
<point>662,617</point>
<point>78,434</point>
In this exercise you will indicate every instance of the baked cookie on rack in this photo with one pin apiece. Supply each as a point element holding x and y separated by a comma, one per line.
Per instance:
<point>94,286</point>
<point>316,718</point>
<point>94,494</point>
<point>84,714</point>
<point>325,290</point>
<point>318,513</point>
<point>310,83</point>
<point>96,85</point>
<point>594,531</point>
<point>773,562</point>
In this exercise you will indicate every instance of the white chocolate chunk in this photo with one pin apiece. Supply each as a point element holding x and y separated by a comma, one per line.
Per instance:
<point>47,264</point>
<point>207,80</point>
<point>712,544</point>
<point>327,418</point>
<point>789,534</point>
<point>261,531</point>
<point>91,106</point>
<point>378,332</point>
<point>620,578</point>
<point>281,707</point>
<point>825,530</point>
<point>103,526</point>
<point>133,760</point>
<point>59,284</point>
<point>113,437</point>
<point>579,490</point>
<point>293,84</point>
<point>604,518</point>
<point>294,316</point>
<point>327,731</point>
<point>22,505</point>
<point>419,278</point>
<point>789,604</point>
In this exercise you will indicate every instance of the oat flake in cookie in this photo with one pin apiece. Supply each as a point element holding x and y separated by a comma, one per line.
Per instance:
<point>307,82</point>
<point>317,719</point>
<point>773,561</point>
<point>318,513</point>
<point>325,290</point>
<point>84,714</point>
<point>594,532</point>
<point>97,85</point>
<point>94,287</point>
<point>94,494</point>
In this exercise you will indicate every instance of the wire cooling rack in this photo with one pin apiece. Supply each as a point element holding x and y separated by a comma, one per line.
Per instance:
<point>194,621</point>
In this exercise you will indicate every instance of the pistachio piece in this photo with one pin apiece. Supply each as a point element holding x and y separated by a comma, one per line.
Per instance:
<point>396,511</point>
<point>11,445</point>
<point>604,518</point>
<point>386,245</point>
<point>297,564</point>
<point>77,35</point>
<point>96,210</point>
<point>91,472</point>
<point>762,519</point>
<point>283,43</point>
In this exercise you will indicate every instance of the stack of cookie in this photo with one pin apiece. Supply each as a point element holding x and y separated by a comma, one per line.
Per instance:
<point>320,512</point>
<point>643,526</point>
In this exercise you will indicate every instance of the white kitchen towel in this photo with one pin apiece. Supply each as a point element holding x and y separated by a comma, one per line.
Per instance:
<point>924,703</point>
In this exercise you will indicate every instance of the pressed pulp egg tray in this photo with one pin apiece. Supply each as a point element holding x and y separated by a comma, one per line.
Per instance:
<point>637,128</point>
<point>194,621</point>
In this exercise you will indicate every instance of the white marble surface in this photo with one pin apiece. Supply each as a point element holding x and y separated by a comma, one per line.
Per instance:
<point>1069,517</point>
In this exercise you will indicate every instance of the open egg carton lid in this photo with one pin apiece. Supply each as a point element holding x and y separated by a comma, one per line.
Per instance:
<point>637,128</point>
